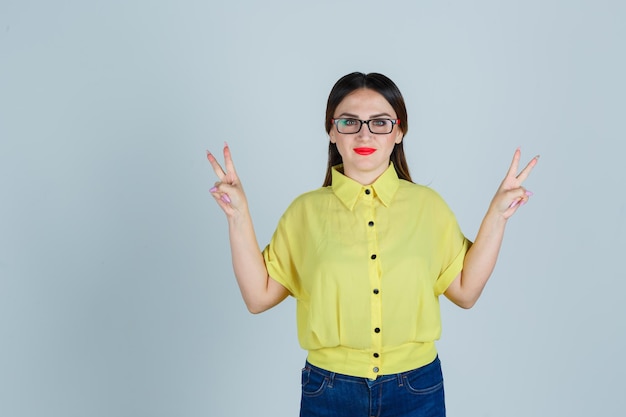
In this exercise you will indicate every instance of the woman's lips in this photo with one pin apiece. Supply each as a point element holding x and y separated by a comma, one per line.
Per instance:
<point>364,151</point>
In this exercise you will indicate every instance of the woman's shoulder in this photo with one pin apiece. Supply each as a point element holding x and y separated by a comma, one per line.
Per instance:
<point>310,199</point>
<point>313,196</point>
<point>419,190</point>
<point>422,196</point>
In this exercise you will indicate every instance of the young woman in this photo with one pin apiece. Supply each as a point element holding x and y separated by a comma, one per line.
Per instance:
<point>367,257</point>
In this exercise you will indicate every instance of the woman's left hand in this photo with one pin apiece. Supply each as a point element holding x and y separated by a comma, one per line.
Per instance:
<point>511,195</point>
<point>482,255</point>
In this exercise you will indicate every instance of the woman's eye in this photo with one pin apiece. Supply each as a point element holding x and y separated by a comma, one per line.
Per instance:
<point>378,122</point>
<point>350,122</point>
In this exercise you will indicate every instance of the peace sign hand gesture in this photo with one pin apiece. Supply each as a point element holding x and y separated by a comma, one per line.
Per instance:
<point>228,191</point>
<point>259,291</point>
<point>511,195</point>
<point>481,258</point>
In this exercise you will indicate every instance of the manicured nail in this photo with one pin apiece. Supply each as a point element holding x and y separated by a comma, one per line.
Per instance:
<point>513,204</point>
<point>214,189</point>
<point>523,202</point>
<point>226,199</point>
<point>529,193</point>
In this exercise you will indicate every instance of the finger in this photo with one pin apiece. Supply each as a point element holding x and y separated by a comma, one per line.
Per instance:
<point>527,194</point>
<point>228,161</point>
<point>521,199</point>
<point>526,171</point>
<point>223,201</point>
<point>216,166</point>
<point>219,193</point>
<point>514,163</point>
<point>517,201</point>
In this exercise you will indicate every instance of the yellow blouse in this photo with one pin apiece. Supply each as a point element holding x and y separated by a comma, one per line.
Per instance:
<point>367,265</point>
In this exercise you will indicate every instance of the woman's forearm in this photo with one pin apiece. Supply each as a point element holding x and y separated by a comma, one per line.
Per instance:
<point>248,263</point>
<point>481,258</point>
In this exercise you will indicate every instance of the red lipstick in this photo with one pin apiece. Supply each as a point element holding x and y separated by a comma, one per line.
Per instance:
<point>364,151</point>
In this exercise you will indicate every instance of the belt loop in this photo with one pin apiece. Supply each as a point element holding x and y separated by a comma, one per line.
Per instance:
<point>400,380</point>
<point>331,379</point>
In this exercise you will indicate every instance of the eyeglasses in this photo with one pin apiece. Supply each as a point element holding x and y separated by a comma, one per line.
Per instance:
<point>376,126</point>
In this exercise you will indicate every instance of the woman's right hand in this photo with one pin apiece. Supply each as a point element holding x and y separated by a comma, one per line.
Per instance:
<point>228,191</point>
<point>259,291</point>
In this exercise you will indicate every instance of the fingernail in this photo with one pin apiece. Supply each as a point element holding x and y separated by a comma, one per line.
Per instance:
<point>513,204</point>
<point>225,144</point>
<point>522,203</point>
<point>214,189</point>
<point>225,199</point>
<point>529,193</point>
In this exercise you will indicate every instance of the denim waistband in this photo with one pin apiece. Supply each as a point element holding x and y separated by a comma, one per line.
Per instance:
<point>332,376</point>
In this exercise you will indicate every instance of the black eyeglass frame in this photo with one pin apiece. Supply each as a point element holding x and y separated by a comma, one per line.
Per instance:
<point>367,122</point>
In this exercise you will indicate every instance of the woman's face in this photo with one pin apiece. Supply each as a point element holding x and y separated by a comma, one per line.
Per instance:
<point>365,155</point>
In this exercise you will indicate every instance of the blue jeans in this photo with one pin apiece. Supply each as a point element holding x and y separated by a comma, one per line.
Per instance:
<point>416,393</point>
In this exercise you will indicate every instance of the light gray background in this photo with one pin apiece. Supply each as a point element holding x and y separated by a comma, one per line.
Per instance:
<point>117,296</point>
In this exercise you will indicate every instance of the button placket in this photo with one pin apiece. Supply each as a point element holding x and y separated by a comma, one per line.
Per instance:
<point>374,280</point>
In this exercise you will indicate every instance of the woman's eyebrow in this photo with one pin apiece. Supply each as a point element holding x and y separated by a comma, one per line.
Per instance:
<point>377,116</point>
<point>350,115</point>
<point>354,116</point>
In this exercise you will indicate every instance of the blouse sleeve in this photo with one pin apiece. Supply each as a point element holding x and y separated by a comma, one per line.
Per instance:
<point>454,247</point>
<point>282,253</point>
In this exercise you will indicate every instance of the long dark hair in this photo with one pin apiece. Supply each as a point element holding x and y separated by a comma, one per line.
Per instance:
<point>385,87</point>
